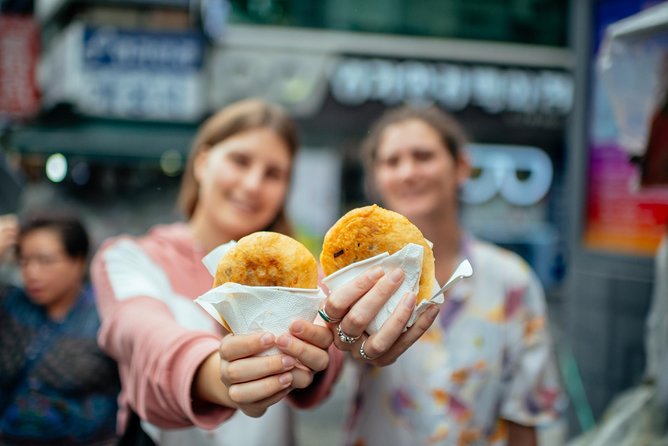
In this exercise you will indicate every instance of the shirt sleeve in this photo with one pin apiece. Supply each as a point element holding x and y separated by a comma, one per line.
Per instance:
<point>532,393</point>
<point>157,356</point>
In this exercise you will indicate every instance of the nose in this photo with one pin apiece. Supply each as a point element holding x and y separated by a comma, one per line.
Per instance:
<point>30,270</point>
<point>252,180</point>
<point>406,169</point>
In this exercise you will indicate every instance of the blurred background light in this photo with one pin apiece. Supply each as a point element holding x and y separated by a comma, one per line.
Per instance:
<point>171,162</point>
<point>80,173</point>
<point>56,167</point>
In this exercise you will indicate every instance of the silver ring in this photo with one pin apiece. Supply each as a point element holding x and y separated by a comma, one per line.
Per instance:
<point>327,318</point>
<point>344,337</point>
<point>363,353</point>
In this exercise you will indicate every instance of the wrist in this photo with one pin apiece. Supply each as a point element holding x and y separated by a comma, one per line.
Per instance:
<point>207,386</point>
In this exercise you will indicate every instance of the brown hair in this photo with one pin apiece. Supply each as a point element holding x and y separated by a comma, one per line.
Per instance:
<point>450,131</point>
<point>236,118</point>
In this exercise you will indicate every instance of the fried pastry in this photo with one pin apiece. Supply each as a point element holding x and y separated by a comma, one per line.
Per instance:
<point>371,230</point>
<point>268,259</point>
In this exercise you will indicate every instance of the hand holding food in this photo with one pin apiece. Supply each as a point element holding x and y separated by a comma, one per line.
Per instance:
<point>265,293</point>
<point>354,304</point>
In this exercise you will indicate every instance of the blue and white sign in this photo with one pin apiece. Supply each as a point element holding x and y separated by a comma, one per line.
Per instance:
<point>111,72</point>
<point>112,48</point>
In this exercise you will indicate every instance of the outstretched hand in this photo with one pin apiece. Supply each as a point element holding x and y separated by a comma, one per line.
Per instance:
<point>351,308</point>
<point>9,229</point>
<point>237,377</point>
<point>253,382</point>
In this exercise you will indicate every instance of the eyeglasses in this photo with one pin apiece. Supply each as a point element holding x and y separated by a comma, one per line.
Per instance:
<point>41,260</point>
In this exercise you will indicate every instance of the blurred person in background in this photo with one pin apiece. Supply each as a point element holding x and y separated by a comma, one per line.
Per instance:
<point>179,378</point>
<point>9,229</point>
<point>484,373</point>
<point>56,385</point>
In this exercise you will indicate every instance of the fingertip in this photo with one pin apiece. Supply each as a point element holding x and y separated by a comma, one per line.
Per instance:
<point>285,379</point>
<point>297,327</point>
<point>409,300</point>
<point>267,340</point>
<point>283,341</point>
<point>375,273</point>
<point>396,275</point>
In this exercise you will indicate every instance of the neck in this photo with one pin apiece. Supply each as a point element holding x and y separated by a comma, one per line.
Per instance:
<point>207,236</point>
<point>445,233</point>
<point>58,310</point>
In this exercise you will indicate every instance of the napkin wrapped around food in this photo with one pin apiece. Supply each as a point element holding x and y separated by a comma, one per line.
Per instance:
<point>409,259</point>
<point>244,309</point>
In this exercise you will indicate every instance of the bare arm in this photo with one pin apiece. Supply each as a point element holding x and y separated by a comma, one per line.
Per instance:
<point>519,435</point>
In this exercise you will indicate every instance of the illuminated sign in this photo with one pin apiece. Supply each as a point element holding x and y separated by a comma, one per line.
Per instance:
<point>520,175</point>
<point>494,89</point>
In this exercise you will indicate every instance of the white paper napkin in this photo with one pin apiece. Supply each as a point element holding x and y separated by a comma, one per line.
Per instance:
<point>409,259</point>
<point>249,309</point>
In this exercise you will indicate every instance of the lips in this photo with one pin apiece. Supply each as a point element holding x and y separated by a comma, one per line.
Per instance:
<point>412,193</point>
<point>34,291</point>
<point>244,206</point>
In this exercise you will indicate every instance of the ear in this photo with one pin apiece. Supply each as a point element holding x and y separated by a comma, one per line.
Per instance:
<point>81,265</point>
<point>463,167</point>
<point>199,164</point>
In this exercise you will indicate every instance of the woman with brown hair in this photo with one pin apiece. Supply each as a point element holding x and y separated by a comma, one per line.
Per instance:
<point>175,369</point>
<point>484,372</point>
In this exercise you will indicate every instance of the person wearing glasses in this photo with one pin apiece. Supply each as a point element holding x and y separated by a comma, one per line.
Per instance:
<point>56,385</point>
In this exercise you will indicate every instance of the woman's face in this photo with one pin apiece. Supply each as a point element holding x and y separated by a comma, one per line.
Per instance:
<point>414,173</point>
<point>49,274</point>
<point>243,181</point>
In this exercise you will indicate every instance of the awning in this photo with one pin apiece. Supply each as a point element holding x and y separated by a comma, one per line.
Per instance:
<point>123,141</point>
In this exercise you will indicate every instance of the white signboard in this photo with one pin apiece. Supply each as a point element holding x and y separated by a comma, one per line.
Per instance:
<point>111,72</point>
<point>494,89</point>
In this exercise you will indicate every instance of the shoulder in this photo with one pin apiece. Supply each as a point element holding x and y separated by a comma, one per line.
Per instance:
<point>158,241</point>
<point>493,259</point>
<point>14,297</point>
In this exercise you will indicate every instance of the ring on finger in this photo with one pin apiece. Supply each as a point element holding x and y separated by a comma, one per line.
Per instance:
<point>327,318</point>
<point>363,353</point>
<point>346,339</point>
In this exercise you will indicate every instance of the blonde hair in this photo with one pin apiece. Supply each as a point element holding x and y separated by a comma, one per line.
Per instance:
<point>236,118</point>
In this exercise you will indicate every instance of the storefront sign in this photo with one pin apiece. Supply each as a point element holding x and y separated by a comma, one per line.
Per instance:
<point>494,89</point>
<point>19,49</point>
<point>297,81</point>
<point>128,74</point>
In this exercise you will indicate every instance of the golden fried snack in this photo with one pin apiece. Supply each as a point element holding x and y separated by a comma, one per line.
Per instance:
<point>371,230</point>
<point>268,259</point>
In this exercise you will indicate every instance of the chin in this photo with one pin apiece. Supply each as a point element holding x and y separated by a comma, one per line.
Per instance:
<point>243,227</point>
<point>38,299</point>
<point>413,209</point>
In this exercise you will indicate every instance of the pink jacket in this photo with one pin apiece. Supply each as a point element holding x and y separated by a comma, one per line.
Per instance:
<point>145,288</point>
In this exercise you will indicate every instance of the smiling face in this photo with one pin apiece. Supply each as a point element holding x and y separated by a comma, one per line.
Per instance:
<point>50,276</point>
<point>414,173</point>
<point>243,181</point>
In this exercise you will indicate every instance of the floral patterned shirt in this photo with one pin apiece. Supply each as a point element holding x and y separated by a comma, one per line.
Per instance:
<point>488,358</point>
